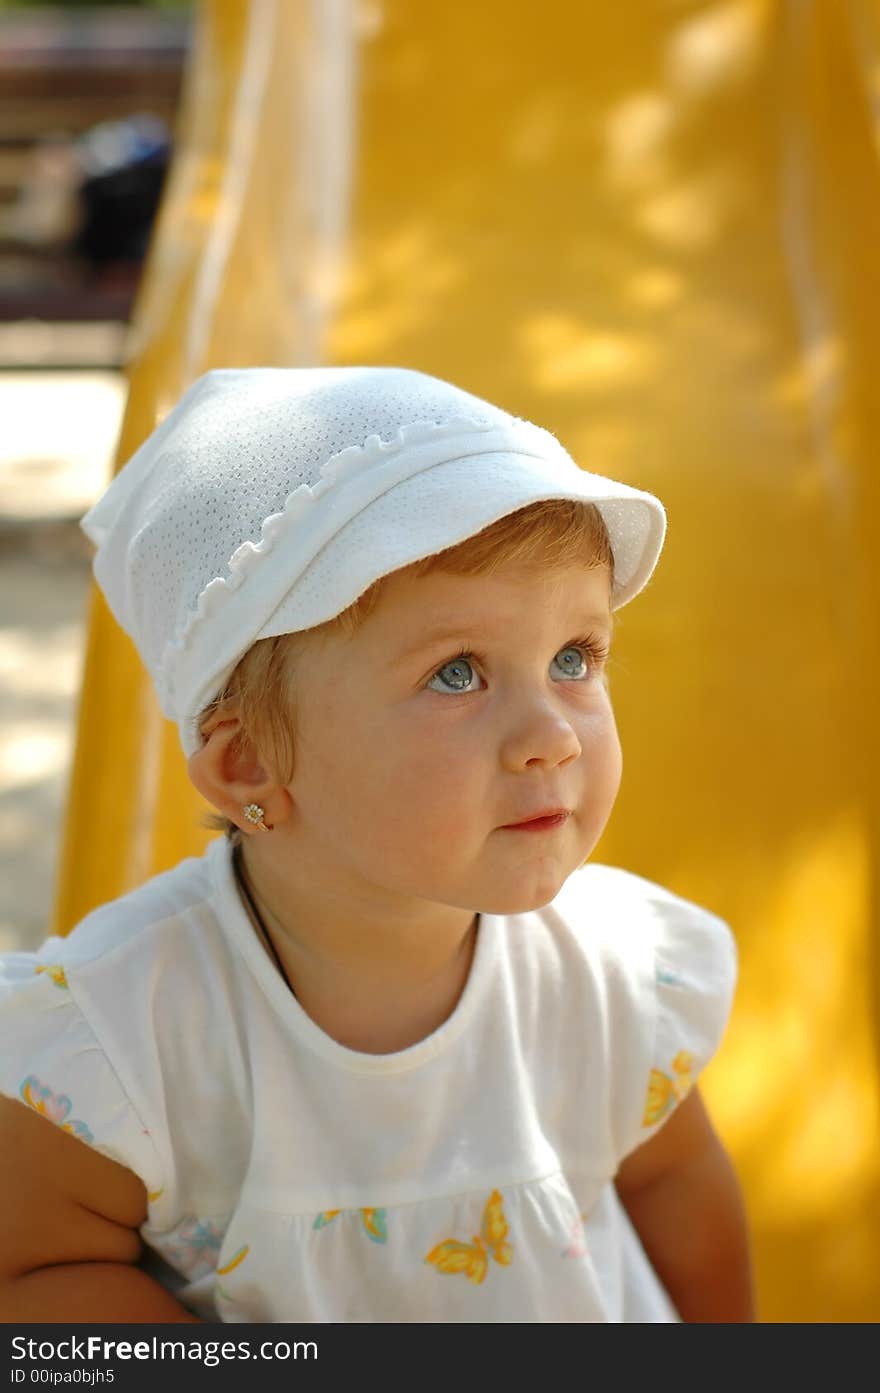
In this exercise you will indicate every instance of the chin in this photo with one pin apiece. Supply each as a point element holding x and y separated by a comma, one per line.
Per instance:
<point>511,901</point>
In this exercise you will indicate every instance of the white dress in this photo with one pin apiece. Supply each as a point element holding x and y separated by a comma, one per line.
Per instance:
<point>466,1178</point>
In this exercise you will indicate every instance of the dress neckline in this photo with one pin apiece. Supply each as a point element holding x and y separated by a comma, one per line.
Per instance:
<point>237,922</point>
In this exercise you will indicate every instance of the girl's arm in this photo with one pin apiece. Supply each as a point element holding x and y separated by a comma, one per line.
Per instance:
<point>681,1193</point>
<point>69,1221</point>
<point>85,1293</point>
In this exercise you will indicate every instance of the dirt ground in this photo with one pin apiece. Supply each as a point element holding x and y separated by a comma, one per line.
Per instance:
<point>56,450</point>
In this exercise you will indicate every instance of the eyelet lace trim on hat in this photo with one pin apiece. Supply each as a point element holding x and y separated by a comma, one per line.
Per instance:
<point>346,463</point>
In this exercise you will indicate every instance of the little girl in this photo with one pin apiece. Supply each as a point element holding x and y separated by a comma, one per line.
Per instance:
<point>388,1050</point>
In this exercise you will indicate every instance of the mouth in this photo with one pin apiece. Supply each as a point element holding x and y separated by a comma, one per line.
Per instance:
<point>545,823</point>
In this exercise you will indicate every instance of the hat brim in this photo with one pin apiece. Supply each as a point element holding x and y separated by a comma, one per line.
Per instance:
<point>448,503</point>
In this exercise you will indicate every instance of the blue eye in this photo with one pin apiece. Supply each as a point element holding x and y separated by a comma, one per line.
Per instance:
<point>579,662</point>
<point>575,669</point>
<point>459,668</point>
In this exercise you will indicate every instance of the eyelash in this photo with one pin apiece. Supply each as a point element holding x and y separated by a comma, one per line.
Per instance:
<point>595,649</point>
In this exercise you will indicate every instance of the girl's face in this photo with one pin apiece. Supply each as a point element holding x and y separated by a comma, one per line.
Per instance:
<point>411,760</point>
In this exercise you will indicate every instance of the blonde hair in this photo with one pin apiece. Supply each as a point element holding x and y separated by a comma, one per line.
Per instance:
<point>554,533</point>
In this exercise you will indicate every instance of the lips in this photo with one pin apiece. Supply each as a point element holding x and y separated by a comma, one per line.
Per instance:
<point>547,816</point>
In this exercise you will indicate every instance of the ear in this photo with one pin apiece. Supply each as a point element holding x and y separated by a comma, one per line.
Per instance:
<point>228,773</point>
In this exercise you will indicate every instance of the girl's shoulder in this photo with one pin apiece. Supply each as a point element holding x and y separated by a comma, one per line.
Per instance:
<point>666,970</point>
<point>148,931</point>
<point>139,921</point>
<point>129,970</point>
<point>623,918</point>
<point>104,1031</point>
<point>626,954</point>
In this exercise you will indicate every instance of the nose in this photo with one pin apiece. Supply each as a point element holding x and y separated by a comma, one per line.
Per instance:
<point>540,734</point>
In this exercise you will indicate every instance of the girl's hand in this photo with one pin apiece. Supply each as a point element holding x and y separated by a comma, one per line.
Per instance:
<point>681,1193</point>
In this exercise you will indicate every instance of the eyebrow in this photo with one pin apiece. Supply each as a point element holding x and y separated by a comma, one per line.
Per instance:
<point>446,635</point>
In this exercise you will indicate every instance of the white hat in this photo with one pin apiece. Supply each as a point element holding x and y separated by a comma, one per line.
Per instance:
<point>269,499</point>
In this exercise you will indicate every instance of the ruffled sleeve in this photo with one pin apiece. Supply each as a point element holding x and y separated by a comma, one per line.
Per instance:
<point>52,1061</point>
<point>690,970</point>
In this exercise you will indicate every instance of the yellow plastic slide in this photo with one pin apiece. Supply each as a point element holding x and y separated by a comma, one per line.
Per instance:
<point>652,228</point>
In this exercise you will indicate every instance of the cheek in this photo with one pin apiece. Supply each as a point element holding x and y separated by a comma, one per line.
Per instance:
<point>425,787</point>
<point>603,727</point>
<point>602,753</point>
<point>360,771</point>
<point>427,774</point>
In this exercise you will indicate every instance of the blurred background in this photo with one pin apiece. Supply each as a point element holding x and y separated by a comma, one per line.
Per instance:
<point>88,101</point>
<point>652,228</point>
